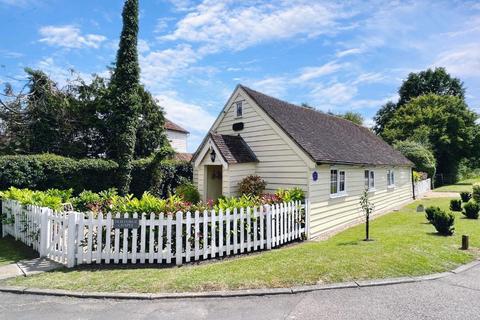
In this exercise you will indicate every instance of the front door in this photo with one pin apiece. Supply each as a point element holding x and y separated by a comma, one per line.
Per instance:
<point>214,180</point>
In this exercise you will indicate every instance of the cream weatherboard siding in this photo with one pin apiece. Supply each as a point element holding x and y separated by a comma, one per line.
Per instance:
<point>329,214</point>
<point>178,140</point>
<point>280,162</point>
<point>236,172</point>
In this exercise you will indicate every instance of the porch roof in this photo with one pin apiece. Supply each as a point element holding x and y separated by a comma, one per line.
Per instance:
<point>233,149</point>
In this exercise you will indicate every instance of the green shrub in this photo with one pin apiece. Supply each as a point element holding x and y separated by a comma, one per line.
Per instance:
<point>422,158</point>
<point>466,196</point>
<point>430,213</point>
<point>471,209</point>
<point>456,205</point>
<point>443,222</point>
<point>476,192</point>
<point>188,192</point>
<point>294,194</point>
<point>252,185</point>
<point>47,171</point>
<point>53,199</point>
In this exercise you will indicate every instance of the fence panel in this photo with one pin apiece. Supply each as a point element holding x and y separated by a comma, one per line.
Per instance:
<point>83,238</point>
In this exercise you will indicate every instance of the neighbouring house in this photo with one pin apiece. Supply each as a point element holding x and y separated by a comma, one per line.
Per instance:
<point>177,136</point>
<point>332,159</point>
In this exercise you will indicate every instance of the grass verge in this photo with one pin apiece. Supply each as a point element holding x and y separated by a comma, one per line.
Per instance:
<point>404,245</point>
<point>12,251</point>
<point>461,186</point>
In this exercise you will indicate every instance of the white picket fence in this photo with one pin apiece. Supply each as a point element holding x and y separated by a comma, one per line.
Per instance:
<point>422,187</point>
<point>76,238</point>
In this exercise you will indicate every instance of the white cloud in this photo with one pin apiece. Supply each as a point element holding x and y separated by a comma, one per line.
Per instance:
<point>275,86</point>
<point>334,94</point>
<point>348,52</point>
<point>143,46</point>
<point>69,36</point>
<point>310,73</point>
<point>190,116</point>
<point>463,61</point>
<point>220,25</point>
<point>159,66</point>
<point>20,3</point>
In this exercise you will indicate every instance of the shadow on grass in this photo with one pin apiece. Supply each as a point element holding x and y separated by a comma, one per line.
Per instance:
<point>348,243</point>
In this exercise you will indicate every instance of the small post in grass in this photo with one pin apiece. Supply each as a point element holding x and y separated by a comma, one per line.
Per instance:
<point>465,242</point>
<point>367,208</point>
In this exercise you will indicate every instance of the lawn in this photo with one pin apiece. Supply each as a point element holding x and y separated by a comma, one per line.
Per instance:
<point>12,251</point>
<point>461,186</point>
<point>404,245</point>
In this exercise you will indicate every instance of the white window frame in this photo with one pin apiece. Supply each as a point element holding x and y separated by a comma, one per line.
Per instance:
<point>238,106</point>
<point>338,182</point>
<point>391,178</point>
<point>369,178</point>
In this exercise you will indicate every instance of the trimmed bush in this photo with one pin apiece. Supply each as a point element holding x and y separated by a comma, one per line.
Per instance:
<point>188,192</point>
<point>476,192</point>
<point>456,205</point>
<point>46,171</point>
<point>466,196</point>
<point>471,210</point>
<point>252,185</point>
<point>430,213</point>
<point>443,222</point>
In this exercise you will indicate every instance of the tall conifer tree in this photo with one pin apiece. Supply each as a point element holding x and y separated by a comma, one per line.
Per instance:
<point>125,96</point>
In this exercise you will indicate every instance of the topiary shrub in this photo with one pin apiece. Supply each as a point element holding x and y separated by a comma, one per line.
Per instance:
<point>443,222</point>
<point>430,213</point>
<point>471,210</point>
<point>252,185</point>
<point>456,205</point>
<point>476,192</point>
<point>466,196</point>
<point>188,192</point>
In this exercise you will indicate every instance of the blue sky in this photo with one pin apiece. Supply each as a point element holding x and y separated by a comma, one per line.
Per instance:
<point>337,56</point>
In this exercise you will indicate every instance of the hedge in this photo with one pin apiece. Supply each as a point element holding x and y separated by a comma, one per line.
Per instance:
<point>46,171</point>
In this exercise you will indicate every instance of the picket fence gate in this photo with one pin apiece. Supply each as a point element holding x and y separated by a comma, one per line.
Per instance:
<point>74,238</point>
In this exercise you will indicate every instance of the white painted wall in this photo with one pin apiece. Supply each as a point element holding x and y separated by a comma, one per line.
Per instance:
<point>178,140</point>
<point>328,214</point>
<point>281,163</point>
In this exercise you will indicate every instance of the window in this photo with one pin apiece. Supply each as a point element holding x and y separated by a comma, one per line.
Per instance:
<point>369,180</point>
<point>390,178</point>
<point>337,182</point>
<point>239,109</point>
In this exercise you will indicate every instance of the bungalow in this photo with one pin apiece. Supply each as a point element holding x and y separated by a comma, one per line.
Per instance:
<point>333,160</point>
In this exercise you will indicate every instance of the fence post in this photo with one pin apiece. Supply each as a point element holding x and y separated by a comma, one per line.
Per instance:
<point>43,232</point>
<point>307,218</point>
<point>269,227</point>
<point>4,213</point>
<point>71,236</point>
<point>178,236</point>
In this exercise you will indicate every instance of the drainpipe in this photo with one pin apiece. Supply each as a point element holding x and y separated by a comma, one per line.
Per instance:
<point>413,184</point>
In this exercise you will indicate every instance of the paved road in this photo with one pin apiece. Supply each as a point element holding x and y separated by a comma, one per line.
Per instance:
<point>454,297</point>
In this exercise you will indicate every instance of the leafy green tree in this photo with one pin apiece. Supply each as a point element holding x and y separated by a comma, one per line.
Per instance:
<point>383,115</point>
<point>352,116</point>
<point>436,81</point>
<point>124,98</point>
<point>445,122</point>
<point>423,158</point>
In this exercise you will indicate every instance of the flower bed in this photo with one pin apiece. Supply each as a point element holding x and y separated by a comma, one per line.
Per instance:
<point>109,201</point>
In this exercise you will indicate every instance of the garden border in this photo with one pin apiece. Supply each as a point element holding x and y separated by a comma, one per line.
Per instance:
<point>238,293</point>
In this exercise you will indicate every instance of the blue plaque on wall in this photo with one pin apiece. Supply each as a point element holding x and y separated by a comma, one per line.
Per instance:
<point>315,176</point>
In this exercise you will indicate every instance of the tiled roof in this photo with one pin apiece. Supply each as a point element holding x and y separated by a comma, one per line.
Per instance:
<point>169,125</point>
<point>327,138</point>
<point>183,156</point>
<point>233,148</point>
